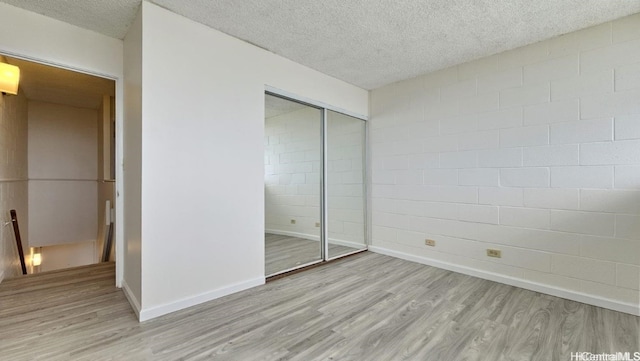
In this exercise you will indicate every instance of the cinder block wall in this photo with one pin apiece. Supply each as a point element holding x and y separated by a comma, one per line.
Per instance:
<point>293,174</point>
<point>535,152</point>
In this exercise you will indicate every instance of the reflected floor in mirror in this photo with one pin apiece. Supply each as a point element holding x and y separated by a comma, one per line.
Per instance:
<point>286,252</point>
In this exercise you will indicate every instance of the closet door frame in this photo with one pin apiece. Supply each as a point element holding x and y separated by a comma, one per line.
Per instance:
<point>324,227</point>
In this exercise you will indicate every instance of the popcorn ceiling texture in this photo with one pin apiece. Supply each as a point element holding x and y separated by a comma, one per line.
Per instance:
<point>365,43</point>
<point>111,18</point>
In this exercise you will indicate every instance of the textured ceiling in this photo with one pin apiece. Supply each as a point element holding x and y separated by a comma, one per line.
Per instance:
<point>60,86</point>
<point>366,43</point>
<point>108,17</point>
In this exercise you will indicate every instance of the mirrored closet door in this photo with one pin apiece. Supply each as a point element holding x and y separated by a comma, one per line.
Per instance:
<point>293,180</point>
<point>345,200</point>
<point>314,185</point>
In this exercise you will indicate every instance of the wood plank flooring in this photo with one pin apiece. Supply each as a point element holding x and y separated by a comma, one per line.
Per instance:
<point>365,307</point>
<point>286,252</point>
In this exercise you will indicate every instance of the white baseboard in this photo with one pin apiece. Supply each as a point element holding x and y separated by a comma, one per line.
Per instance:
<point>133,301</point>
<point>518,282</point>
<point>153,312</point>
<point>311,237</point>
<point>341,242</point>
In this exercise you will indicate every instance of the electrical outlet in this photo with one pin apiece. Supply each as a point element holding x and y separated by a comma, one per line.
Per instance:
<point>317,224</point>
<point>496,253</point>
<point>430,242</point>
<point>293,221</point>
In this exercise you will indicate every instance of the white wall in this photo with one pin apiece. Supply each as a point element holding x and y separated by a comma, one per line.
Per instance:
<point>46,39</point>
<point>13,179</point>
<point>132,180</point>
<point>293,153</point>
<point>66,255</point>
<point>63,170</point>
<point>63,142</point>
<point>534,151</point>
<point>54,42</point>
<point>202,156</point>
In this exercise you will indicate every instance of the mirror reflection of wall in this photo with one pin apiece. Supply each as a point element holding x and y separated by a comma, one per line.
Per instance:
<point>293,155</point>
<point>345,183</point>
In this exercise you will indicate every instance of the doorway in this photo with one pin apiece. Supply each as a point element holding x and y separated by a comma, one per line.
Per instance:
<point>66,166</point>
<point>314,184</point>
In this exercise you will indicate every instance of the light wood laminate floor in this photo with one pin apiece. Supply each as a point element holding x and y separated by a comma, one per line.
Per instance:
<point>286,252</point>
<point>365,307</point>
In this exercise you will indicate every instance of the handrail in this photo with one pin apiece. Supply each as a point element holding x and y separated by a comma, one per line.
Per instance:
<point>108,232</point>
<point>16,230</point>
<point>64,179</point>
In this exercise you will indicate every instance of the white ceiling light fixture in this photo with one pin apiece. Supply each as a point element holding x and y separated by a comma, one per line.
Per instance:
<point>9,79</point>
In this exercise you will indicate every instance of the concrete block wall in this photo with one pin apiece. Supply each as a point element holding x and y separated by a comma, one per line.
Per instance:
<point>534,151</point>
<point>346,179</point>
<point>13,179</point>
<point>293,176</point>
<point>292,172</point>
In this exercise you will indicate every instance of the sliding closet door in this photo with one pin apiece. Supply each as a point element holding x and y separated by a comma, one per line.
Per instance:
<point>293,174</point>
<point>345,184</point>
